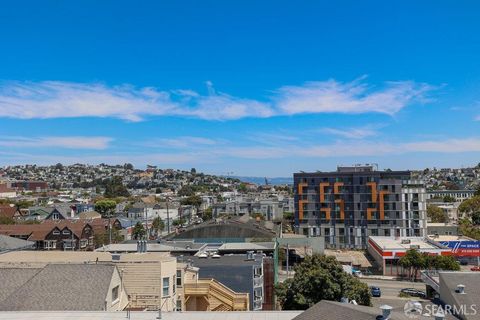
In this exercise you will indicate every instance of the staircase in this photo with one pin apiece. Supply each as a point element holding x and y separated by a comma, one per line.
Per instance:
<point>219,297</point>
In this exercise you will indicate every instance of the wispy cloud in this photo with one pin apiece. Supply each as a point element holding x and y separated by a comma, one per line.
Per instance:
<point>182,142</point>
<point>351,133</point>
<point>353,148</point>
<point>55,99</point>
<point>73,142</point>
<point>353,97</point>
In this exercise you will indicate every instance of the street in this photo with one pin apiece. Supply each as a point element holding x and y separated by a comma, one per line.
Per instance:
<point>390,290</point>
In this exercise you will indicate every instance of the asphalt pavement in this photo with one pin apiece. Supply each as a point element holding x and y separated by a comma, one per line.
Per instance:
<point>390,291</point>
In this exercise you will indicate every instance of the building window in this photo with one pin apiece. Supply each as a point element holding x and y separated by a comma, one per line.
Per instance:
<point>66,232</point>
<point>115,294</point>
<point>165,286</point>
<point>56,232</point>
<point>173,285</point>
<point>83,243</point>
<point>69,244</point>
<point>179,278</point>
<point>50,244</point>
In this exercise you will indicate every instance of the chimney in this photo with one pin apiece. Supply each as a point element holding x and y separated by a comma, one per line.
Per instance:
<point>460,289</point>
<point>386,310</point>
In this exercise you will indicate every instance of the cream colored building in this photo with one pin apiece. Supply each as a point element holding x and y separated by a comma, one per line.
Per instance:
<point>150,279</point>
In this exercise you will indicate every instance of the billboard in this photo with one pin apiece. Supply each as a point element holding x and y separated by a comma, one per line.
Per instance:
<point>463,248</point>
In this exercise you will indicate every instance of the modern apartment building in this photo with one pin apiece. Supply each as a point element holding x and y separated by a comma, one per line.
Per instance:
<point>351,204</point>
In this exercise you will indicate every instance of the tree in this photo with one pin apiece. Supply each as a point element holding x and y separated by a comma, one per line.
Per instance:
<point>320,277</point>
<point>413,261</point>
<point>436,214</point>
<point>128,166</point>
<point>242,188</point>
<point>448,198</point>
<point>114,188</point>
<point>186,191</point>
<point>158,225</point>
<point>193,171</point>
<point>195,201</point>
<point>6,220</point>
<point>138,231</point>
<point>471,207</point>
<point>207,214</point>
<point>105,207</point>
<point>179,221</point>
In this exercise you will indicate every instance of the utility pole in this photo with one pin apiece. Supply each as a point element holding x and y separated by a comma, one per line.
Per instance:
<point>168,218</point>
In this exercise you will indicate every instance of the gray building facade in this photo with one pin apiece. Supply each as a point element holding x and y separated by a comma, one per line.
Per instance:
<point>351,204</point>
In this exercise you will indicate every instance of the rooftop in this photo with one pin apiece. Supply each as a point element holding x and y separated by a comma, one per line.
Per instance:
<point>41,258</point>
<point>391,243</point>
<point>58,287</point>
<point>189,315</point>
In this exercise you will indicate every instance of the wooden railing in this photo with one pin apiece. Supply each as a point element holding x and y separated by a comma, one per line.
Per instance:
<point>211,287</point>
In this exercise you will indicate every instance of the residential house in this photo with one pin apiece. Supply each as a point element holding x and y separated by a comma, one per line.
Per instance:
<point>66,287</point>
<point>58,235</point>
<point>6,192</point>
<point>10,212</point>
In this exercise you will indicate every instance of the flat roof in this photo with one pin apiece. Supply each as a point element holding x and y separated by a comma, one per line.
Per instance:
<point>354,257</point>
<point>391,243</point>
<point>140,315</point>
<point>151,247</point>
<point>449,238</point>
<point>38,258</point>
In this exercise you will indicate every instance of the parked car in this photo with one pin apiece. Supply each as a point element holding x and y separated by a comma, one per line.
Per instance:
<point>475,268</point>
<point>414,292</point>
<point>375,291</point>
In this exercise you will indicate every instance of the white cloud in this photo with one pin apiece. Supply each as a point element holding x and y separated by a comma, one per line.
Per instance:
<point>182,142</point>
<point>55,99</point>
<point>354,97</point>
<point>351,133</point>
<point>355,149</point>
<point>74,142</point>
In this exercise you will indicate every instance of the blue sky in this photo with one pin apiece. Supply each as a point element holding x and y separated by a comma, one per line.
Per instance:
<point>263,88</point>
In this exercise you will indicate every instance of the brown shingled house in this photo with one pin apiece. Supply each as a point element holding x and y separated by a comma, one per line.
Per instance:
<point>58,235</point>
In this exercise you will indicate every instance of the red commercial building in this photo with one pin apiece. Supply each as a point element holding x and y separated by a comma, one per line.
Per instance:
<point>387,251</point>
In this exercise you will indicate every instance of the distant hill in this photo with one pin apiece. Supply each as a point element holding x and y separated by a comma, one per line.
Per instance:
<point>261,180</point>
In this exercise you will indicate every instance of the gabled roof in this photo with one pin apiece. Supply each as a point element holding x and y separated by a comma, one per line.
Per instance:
<point>9,243</point>
<point>7,211</point>
<point>333,310</point>
<point>82,287</point>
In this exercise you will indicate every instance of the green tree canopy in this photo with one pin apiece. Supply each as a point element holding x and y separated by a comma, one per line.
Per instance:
<point>436,214</point>
<point>194,200</point>
<point>320,277</point>
<point>138,231</point>
<point>414,261</point>
<point>158,225</point>
<point>105,207</point>
<point>448,198</point>
<point>471,207</point>
<point>114,188</point>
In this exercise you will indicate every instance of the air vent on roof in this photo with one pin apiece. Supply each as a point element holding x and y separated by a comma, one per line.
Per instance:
<point>414,246</point>
<point>406,241</point>
<point>460,289</point>
<point>386,310</point>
